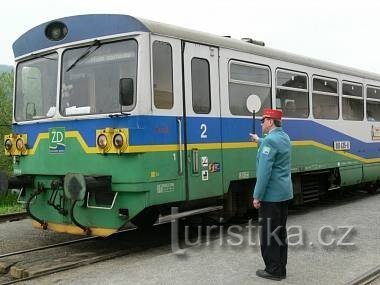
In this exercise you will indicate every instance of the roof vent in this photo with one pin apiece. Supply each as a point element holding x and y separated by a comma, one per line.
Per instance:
<point>252,41</point>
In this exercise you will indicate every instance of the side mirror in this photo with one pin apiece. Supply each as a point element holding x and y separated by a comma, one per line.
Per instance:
<point>126,91</point>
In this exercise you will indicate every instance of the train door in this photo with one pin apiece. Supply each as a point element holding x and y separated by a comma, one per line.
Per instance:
<point>167,106</point>
<point>203,122</point>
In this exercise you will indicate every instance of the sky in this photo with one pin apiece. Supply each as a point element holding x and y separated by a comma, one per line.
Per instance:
<point>343,32</point>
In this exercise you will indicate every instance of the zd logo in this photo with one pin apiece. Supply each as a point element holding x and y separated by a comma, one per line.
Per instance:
<point>57,140</point>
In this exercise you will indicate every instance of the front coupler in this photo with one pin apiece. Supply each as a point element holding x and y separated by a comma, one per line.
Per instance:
<point>76,186</point>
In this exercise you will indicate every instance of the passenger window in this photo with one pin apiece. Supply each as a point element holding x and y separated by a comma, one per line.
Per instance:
<point>200,83</point>
<point>245,80</point>
<point>325,98</point>
<point>352,101</point>
<point>292,94</point>
<point>162,75</point>
<point>373,104</point>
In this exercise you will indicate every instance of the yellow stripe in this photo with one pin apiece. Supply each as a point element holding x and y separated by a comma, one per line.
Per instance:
<point>204,146</point>
<point>77,135</point>
<point>70,229</point>
<point>44,136</point>
<point>331,149</point>
<point>239,145</point>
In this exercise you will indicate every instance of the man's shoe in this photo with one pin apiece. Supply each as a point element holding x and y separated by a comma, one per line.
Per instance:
<point>266,275</point>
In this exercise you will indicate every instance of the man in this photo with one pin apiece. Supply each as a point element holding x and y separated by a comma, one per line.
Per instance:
<point>272,193</point>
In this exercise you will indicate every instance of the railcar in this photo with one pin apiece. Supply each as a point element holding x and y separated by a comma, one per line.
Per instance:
<point>118,119</point>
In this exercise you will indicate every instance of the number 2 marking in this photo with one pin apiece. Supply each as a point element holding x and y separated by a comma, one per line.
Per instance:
<point>204,131</point>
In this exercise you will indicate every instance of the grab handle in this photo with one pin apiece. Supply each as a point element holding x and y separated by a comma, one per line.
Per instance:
<point>179,121</point>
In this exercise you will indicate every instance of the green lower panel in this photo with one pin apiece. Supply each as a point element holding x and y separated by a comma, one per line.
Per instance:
<point>371,172</point>
<point>163,192</point>
<point>125,168</point>
<point>90,216</point>
<point>240,163</point>
<point>204,179</point>
<point>351,175</point>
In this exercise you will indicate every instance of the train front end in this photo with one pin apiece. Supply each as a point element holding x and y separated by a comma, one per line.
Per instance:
<point>76,121</point>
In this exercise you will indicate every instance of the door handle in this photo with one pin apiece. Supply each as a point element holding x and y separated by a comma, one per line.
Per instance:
<point>179,122</point>
<point>195,159</point>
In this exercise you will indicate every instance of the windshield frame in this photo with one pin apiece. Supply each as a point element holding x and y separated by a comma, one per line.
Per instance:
<point>88,44</point>
<point>18,78</point>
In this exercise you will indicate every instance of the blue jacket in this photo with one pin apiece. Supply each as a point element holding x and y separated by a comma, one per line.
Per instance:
<point>274,183</point>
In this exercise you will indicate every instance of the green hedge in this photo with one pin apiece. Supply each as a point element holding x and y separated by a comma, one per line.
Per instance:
<point>8,204</point>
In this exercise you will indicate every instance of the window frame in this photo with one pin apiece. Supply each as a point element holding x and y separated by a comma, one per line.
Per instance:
<point>87,44</point>
<point>249,83</point>
<point>370,99</point>
<point>372,87</point>
<point>16,78</point>
<point>327,79</point>
<point>292,88</point>
<point>172,75</point>
<point>356,84</point>
<point>244,63</point>
<point>315,76</point>
<point>306,91</point>
<point>209,84</point>
<point>353,97</point>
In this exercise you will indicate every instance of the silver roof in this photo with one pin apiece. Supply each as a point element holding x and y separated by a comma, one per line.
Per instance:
<point>239,45</point>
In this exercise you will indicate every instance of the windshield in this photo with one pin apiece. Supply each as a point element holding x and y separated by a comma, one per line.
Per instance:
<point>91,76</point>
<point>36,88</point>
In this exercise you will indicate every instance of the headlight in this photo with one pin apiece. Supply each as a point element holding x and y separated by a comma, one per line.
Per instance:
<point>118,140</point>
<point>8,144</point>
<point>111,140</point>
<point>56,31</point>
<point>102,141</point>
<point>20,144</point>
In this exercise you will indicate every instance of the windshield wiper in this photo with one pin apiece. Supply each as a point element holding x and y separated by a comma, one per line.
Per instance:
<point>86,53</point>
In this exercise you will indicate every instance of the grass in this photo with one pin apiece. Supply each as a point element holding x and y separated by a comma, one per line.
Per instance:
<point>8,204</point>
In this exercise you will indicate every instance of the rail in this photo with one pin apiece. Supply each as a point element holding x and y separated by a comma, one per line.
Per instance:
<point>13,217</point>
<point>367,277</point>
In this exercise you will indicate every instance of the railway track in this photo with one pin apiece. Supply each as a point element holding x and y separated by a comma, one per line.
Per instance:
<point>42,261</point>
<point>13,217</point>
<point>370,277</point>
<point>21,265</point>
<point>61,244</point>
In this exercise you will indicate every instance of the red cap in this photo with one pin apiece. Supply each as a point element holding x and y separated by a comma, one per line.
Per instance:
<point>274,114</point>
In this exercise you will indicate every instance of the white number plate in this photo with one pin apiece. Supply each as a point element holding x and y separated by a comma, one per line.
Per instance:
<point>342,145</point>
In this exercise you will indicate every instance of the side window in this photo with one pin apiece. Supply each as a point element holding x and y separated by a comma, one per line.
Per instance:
<point>352,101</point>
<point>32,91</point>
<point>245,80</point>
<point>162,75</point>
<point>325,98</point>
<point>36,88</point>
<point>292,94</point>
<point>200,83</point>
<point>373,103</point>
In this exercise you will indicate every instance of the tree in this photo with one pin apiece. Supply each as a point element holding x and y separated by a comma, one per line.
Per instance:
<point>6,90</point>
